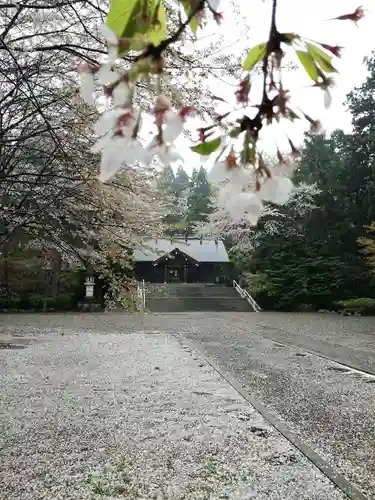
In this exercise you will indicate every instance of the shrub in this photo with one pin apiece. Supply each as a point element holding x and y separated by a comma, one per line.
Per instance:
<point>63,302</point>
<point>72,283</point>
<point>361,305</point>
<point>36,301</point>
<point>9,299</point>
<point>13,303</point>
<point>305,307</point>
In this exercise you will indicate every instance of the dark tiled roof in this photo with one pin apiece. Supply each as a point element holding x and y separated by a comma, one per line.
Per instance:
<point>205,251</point>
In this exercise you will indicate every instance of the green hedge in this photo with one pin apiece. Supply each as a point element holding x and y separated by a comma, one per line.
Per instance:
<point>361,305</point>
<point>63,302</point>
<point>36,301</point>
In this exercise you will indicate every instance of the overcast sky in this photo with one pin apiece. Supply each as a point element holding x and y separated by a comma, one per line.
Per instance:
<point>308,18</point>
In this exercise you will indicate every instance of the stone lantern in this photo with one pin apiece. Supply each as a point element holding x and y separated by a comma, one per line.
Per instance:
<point>89,283</point>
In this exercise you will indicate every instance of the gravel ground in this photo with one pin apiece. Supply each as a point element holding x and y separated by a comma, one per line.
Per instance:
<point>350,340</point>
<point>93,416</point>
<point>332,410</point>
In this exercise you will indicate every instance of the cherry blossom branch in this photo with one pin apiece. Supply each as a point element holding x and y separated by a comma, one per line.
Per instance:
<point>251,181</point>
<point>273,33</point>
<point>51,132</point>
<point>68,46</point>
<point>11,23</point>
<point>35,6</point>
<point>156,52</point>
<point>42,34</point>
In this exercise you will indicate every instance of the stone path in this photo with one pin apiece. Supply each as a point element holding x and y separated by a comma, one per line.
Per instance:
<point>88,415</point>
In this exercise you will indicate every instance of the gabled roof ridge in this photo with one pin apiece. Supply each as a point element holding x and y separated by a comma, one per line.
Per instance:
<point>201,251</point>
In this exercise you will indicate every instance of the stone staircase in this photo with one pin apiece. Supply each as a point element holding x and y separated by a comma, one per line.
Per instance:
<point>183,297</point>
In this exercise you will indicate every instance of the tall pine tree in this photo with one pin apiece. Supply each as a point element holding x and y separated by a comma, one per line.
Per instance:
<point>182,182</point>
<point>199,205</point>
<point>167,181</point>
<point>322,261</point>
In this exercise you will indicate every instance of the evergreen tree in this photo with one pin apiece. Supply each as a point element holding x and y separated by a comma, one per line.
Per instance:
<point>319,259</point>
<point>182,181</point>
<point>167,181</point>
<point>167,184</point>
<point>199,205</point>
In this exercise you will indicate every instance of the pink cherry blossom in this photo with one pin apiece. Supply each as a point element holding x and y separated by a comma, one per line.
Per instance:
<point>87,87</point>
<point>173,126</point>
<point>355,16</point>
<point>173,122</point>
<point>228,171</point>
<point>327,98</point>
<point>118,151</point>
<point>245,206</point>
<point>218,172</point>
<point>106,76</point>
<point>121,94</point>
<point>112,42</point>
<point>214,4</point>
<point>102,143</point>
<point>166,154</point>
<point>276,189</point>
<point>135,153</point>
<point>114,120</point>
<point>112,158</point>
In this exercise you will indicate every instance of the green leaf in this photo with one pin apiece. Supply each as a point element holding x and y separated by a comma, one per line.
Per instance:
<point>255,55</point>
<point>138,42</point>
<point>124,19</point>
<point>320,57</point>
<point>207,147</point>
<point>156,34</point>
<point>121,13</point>
<point>248,152</point>
<point>309,64</point>
<point>289,37</point>
<point>292,115</point>
<point>235,132</point>
<point>194,24</point>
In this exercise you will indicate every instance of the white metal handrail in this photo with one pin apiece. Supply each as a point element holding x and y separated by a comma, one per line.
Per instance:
<point>245,295</point>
